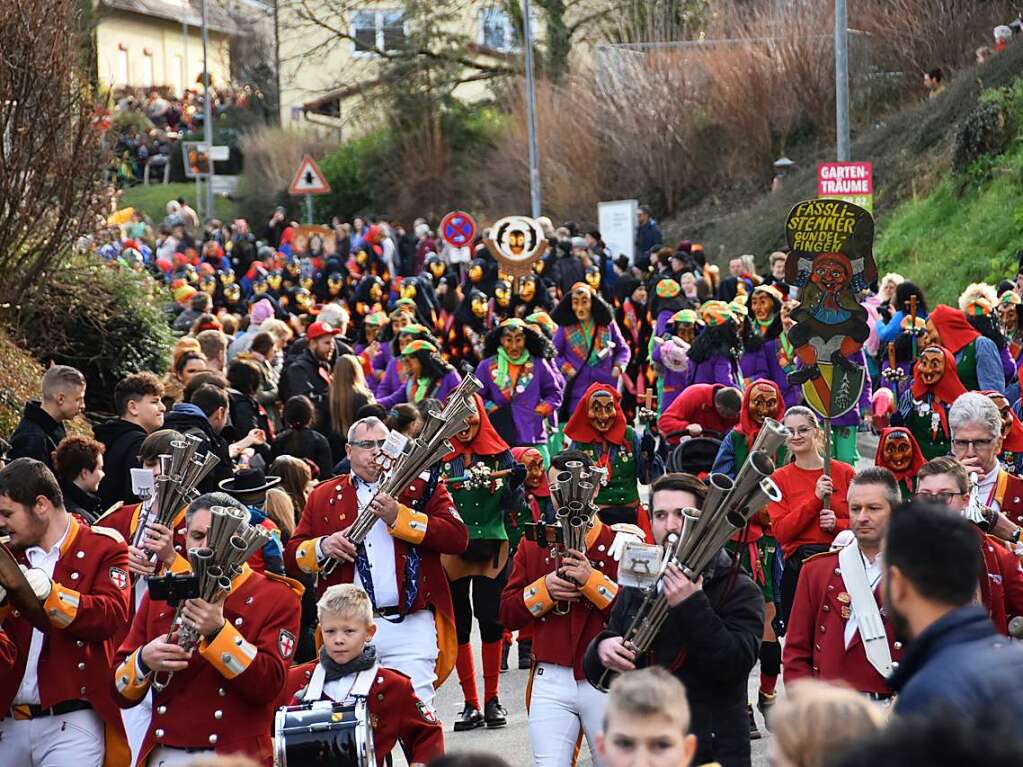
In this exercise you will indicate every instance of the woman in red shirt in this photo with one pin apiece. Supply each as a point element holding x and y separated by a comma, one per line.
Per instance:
<point>800,522</point>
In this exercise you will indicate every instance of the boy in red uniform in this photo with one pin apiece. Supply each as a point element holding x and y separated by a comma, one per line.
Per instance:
<point>348,669</point>
<point>561,701</point>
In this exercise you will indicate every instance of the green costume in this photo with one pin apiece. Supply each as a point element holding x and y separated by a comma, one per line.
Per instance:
<point>622,460</point>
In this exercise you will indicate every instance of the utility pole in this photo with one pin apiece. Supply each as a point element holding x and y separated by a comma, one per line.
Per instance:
<point>207,110</point>
<point>534,166</point>
<point>842,80</point>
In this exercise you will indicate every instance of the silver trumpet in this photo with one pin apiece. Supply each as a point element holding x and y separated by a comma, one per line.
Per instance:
<point>727,509</point>
<point>230,541</point>
<point>572,495</point>
<point>175,486</point>
<point>989,520</point>
<point>420,453</point>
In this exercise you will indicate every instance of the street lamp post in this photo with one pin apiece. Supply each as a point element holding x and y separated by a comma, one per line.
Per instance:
<point>207,111</point>
<point>534,166</point>
<point>842,80</point>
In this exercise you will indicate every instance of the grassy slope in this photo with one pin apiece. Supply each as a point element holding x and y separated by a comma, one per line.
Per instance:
<point>152,200</point>
<point>911,152</point>
<point>944,241</point>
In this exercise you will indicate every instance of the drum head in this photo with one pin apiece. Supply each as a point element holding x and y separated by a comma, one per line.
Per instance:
<point>323,735</point>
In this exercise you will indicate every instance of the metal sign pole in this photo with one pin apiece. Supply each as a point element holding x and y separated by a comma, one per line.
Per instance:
<point>208,111</point>
<point>309,209</point>
<point>534,167</point>
<point>842,80</point>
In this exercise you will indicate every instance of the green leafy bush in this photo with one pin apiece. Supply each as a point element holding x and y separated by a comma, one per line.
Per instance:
<point>104,320</point>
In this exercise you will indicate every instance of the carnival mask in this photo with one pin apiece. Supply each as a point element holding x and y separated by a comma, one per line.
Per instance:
<point>601,411</point>
<point>534,469</point>
<point>208,284</point>
<point>898,451</point>
<point>232,294</point>
<point>375,292</point>
<point>293,268</point>
<point>307,282</point>
<point>191,274</point>
<point>830,273</point>
<point>226,278</point>
<point>592,276</point>
<point>335,282</point>
<point>478,304</point>
<point>475,273</point>
<point>413,367</point>
<point>303,300</point>
<point>763,403</point>
<point>408,289</point>
<point>513,341</point>
<point>516,242</point>
<point>528,290</point>
<point>403,320</point>
<point>437,268</point>
<point>274,280</point>
<point>931,366</point>
<point>762,306</point>
<point>538,266</point>
<point>1008,314</point>
<point>686,331</point>
<point>582,304</point>
<point>472,427</point>
<point>259,287</point>
<point>361,257</point>
<point>503,294</point>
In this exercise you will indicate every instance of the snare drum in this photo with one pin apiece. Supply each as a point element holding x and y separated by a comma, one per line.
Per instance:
<point>323,734</point>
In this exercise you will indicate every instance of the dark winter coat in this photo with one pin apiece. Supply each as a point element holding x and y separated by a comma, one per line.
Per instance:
<point>123,441</point>
<point>36,436</point>
<point>190,420</point>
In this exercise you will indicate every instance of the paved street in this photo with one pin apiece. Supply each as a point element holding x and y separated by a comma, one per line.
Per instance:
<point>512,742</point>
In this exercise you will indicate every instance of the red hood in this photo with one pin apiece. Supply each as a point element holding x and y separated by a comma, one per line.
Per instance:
<point>918,456</point>
<point>579,428</point>
<point>520,454</point>
<point>953,328</point>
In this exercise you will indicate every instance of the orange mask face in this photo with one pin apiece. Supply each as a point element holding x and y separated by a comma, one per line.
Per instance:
<point>601,411</point>
<point>931,367</point>
<point>898,451</point>
<point>763,306</point>
<point>763,403</point>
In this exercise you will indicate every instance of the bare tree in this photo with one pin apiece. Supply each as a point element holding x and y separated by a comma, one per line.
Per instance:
<point>51,142</point>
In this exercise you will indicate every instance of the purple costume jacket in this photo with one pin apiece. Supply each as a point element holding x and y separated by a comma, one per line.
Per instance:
<point>382,363</point>
<point>391,381</point>
<point>571,350</point>
<point>762,365</point>
<point>443,388</point>
<point>537,383</point>
<point>714,370</point>
<point>672,381</point>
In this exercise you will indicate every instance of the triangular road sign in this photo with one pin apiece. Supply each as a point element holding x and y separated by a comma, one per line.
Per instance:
<point>308,179</point>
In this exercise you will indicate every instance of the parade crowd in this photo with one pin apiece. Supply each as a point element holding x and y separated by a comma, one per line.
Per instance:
<point>882,589</point>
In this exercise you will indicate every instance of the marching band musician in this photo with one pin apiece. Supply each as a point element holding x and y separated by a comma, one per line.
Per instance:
<point>710,642</point>
<point>561,701</point>
<point>836,630</point>
<point>56,695</point>
<point>220,698</point>
<point>348,668</point>
<point>945,481</point>
<point>399,563</point>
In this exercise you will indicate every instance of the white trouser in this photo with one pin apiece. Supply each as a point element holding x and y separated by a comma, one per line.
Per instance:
<point>161,756</point>
<point>136,724</point>
<point>559,704</point>
<point>411,648</point>
<point>53,741</point>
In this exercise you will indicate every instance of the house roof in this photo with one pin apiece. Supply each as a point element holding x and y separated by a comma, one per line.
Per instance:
<point>189,11</point>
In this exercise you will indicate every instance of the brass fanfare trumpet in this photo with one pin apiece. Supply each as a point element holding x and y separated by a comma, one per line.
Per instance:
<point>572,495</point>
<point>230,541</point>
<point>419,454</point>
<point>988,519</point>
<point>727,509</point>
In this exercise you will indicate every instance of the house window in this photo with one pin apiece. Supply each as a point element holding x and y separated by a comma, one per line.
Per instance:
<point>496,30</point>
<point>122,67</point>
<point>147,70</point>
<point>378,30</point>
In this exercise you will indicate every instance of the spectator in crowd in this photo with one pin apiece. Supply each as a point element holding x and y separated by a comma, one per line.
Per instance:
<point>205,416</point>
<point>140,410</point>
<point>348,394</point>
<point>955,660</point>
<point>933,82</point>
<point>300,439</point>
<point>296,479</point>
<point>214,346</point>
<point>78,466</point>
<point>648,237</point>
<point>815,720</point>
<point>200,304</point>
<point>246,412</point>
<point>309,373</point>
<point>42,422</point>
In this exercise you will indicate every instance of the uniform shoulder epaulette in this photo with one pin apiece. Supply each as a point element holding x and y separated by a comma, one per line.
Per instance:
<point>109,532</point>
<point>291,583</point>
<point>821,555</point>
<point>395,671</point>
<point>108,512</point>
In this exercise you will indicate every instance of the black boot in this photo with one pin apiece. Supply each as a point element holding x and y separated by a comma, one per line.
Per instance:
<point>525,651</point>
<point>469,719</point>
<point>754,733</point>
<point>505,648</point>
<point>495,714</point>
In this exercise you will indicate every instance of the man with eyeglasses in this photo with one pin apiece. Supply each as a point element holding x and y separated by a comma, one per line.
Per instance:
<point>398,564</point>
<point>976,427</point>
<point>836,630</point>
<point>944,481</point>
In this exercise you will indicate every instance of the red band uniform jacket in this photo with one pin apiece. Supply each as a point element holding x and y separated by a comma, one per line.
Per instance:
<point>225,699</point>
<point>87,605</point>
<point>395,714</point>
<point>815,638</point>
<point>435,530</point>
<point>561,639</point>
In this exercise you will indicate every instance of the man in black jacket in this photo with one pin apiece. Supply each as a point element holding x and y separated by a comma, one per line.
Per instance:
<point>310,372</point>
<point>138,400</point>
<point>204,416</point>
<point>710,640</point>
<point>42,423</point>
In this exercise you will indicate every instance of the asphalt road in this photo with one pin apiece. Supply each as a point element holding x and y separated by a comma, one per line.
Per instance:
<point>512,741</point>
